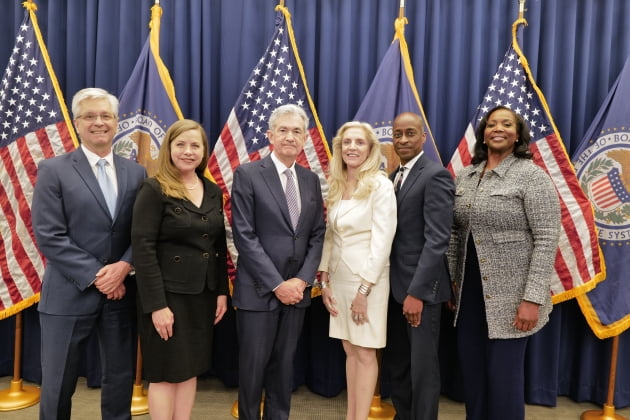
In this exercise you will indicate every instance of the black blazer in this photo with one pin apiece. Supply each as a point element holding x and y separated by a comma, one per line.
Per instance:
<point>177,246</point>
<point>418,264</point>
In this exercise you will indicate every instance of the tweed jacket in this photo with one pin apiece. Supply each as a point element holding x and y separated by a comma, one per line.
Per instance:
<point>513,214</point>
<point>360,233</point>
<point>177,246</point>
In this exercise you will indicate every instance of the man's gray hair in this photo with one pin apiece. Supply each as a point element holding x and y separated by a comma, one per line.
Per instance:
<point>93,93</point>
<point>287,110</point>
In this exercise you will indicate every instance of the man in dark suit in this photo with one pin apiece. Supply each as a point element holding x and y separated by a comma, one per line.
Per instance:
<point>278,225</point>
<point>83,230</point>
<point>419,278</point>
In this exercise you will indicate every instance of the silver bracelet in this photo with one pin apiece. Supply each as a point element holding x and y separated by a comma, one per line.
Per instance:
<point>364,289</point>
<point>323,285</point>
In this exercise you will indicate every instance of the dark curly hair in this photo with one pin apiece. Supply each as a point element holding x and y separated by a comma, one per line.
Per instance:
<point>521,148</point>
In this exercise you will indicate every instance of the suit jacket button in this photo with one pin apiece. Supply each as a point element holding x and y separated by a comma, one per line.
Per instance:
<point>204,236</point>
<point>205,255</point>
<point>485,278</point>
<point>177,258</point>
<point>204,218</point>
<point>178,210</point>
<point>482,260</point>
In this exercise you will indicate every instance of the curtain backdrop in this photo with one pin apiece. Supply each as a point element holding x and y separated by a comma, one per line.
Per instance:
<point>575,49</point>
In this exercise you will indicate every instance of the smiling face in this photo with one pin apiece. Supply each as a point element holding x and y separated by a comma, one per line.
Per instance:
<point>187,151</point>
<point>500,134</point>
<point>355,147</point>
<point>96,125</point>
<point>408,136</point>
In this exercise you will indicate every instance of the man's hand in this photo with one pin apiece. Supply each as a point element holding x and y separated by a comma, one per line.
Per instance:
<point>111,276</point>
<point>118,293</point>
<point>412,310</point>
<point>291,291</point>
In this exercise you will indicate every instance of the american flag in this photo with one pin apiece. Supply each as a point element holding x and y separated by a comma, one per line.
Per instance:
<point>579,265</point>
<point>33,126</point>
<point>277,79</point>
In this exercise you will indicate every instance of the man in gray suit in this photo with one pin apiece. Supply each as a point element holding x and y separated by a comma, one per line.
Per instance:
<point>278,225</point>
<point>83,229</point>
<point>419,278</point>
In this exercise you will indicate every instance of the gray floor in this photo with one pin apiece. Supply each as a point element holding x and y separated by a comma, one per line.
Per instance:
<point>214,401</point>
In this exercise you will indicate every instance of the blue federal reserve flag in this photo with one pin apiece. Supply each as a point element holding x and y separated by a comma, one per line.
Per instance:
<point>602,162</point>
<point>392,92</point>
<point>147,104</point>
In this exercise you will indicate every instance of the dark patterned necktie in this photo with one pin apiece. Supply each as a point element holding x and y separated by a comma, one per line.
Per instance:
<point>399,177</point>
<point>292,198</point>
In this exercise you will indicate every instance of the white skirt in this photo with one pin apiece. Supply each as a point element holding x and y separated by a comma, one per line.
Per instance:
<point>344,285</point>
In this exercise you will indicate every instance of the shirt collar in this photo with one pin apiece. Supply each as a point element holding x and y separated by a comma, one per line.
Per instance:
<point>93,157</point>
<point>280,167</point>
<point>412,162</point>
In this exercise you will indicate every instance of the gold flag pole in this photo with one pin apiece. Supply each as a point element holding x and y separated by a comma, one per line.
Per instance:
<point>18,396</point>
<point>608,411</point>
<point>139,399</point>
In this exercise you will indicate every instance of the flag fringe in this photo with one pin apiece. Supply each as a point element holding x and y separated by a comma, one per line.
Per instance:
<point>32,7</point>
<point>154,41</point>
<point>287,16</point>
<point>399,26</point>
<point>601,276</point>
<point>19,307</point>
<point>600,330</point>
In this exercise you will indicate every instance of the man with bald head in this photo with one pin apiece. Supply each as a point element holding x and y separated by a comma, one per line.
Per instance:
<point>419,278</point>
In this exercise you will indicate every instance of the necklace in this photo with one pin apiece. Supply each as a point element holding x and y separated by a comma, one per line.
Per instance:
<point>193,187</point>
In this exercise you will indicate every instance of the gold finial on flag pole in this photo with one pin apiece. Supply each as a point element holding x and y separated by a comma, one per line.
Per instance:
<point>29,5</point>
<point>521,9</point>
<point>281,4</point>
<point>401,9</point>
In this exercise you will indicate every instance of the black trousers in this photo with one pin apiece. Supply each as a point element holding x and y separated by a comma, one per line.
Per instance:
<point>493,371</point>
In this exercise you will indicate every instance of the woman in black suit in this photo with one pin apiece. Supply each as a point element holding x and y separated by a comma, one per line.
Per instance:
<point>179,253</point>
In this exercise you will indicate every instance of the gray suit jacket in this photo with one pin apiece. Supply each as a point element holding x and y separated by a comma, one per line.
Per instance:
<point>514,218</point>
<point>75,232</point>
<point>418,264</point>
<point>270,251</point>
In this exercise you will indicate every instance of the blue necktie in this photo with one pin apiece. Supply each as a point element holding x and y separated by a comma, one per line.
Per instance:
<point>292,199</point>
<point>106,186</point>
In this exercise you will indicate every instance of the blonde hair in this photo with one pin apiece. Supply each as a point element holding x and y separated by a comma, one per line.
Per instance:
<point>168,175</point>
<point>368,169</point>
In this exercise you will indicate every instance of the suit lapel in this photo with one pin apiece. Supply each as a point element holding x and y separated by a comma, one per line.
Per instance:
<point>411,178</point>
<point>122,179</point>
<point>82,166</point>
<point>270,175</point>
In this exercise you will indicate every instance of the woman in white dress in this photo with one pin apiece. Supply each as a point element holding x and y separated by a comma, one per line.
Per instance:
<point>355,260</point>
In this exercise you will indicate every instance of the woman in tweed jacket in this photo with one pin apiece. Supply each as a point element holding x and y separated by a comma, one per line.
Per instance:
<point>501,257</point>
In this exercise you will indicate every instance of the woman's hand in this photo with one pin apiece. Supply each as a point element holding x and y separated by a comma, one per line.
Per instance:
<point>329,301</point>
<point>221,308</point>
<point>359,309</point>
<point>163,320</point>
<point>526,316</point>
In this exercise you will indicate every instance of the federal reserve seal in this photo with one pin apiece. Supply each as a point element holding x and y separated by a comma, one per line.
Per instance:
<point>139,138</point>
<point>603,170</point>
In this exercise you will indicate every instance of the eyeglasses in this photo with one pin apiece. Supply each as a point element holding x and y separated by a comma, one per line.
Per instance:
<point>407,133</point>
<point>93,117</point>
